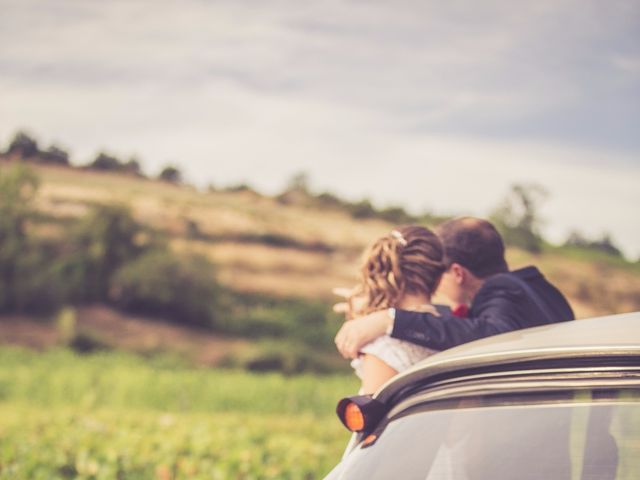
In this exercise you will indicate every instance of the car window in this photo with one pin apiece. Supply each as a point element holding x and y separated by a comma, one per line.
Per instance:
<point>586,438</point>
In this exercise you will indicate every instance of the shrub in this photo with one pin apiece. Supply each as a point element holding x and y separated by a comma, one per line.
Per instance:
<point>179,289</point>
<point>27,282</point>
<point>328,199</point>
<point>33,287</point>
<point>170,174</point>
<point>296,319</point>
<point>396,215</point>
<point>517,217</point>
<point>104,240</point>
<point>287,357</point>
<point>23,145</point>
<point>362,209</point>
<point>604,244</point>
<point>240,187</point>
<point>55,155</point>
<point>133,167</point>
<point>104,161</point>
<point>87,342</point>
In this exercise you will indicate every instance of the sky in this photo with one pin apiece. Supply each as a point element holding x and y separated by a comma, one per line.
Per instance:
<point>432,105</point>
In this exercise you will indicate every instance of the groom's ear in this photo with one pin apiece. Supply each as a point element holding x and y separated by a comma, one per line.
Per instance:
<point>458,272</point>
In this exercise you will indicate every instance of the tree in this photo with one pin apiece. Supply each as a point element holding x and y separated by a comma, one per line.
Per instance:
<point>18,187</point>
<point>170,174</point>
<point>132,167</point>
<point>55,155</point>
<point>296,191</point>
<point>105,239</point>
<point>104,161</point>
<point>182,289</point>
<point>604,244</point>
<point>298,182</point>
<point>23,145</point>
<point>26,282</point>
<point>362,209</point>
<point>396,214</point>
<point>517,217</point>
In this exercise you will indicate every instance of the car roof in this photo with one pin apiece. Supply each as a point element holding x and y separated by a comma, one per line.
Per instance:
<point>601,337</point>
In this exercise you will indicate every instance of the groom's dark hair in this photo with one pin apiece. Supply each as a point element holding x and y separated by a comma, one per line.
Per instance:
<point>475,244</point>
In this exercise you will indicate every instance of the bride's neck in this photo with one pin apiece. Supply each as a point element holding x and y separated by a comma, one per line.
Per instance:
<point>412,301</point>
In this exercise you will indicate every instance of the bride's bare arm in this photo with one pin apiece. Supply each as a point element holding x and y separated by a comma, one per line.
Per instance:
<point>374,373</point>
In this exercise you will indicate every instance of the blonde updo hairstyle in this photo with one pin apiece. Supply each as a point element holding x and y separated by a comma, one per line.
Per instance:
<point>407,260</point>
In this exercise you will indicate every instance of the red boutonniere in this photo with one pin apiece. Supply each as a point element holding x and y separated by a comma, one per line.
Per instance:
<point>461,311</point>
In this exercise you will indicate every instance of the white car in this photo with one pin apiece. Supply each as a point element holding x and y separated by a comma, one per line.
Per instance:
<point>558,402</point>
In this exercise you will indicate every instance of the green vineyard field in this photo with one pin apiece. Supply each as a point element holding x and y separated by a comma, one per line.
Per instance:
<point>113,416</point>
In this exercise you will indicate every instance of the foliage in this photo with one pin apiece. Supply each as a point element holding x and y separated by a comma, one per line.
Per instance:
<point>396,215</point>
<point>299,181</point>
<point>274,240</point>
<point>38,276</point>
<point>26,147</point>
<point>103,241</point>
<point>392,214</point>
<point>23,145</point>
<point>170,174</point>
<point>182,289</point>
<point>240,187</point>
<point>604,244</point>
<point>287,357</point>
<point>133,167</point>
<point>598,258</point>
<point>328,199</point>
<point>107,162</point>
<point>298,192</point>
<point>256,316</point>
<point>362,209</point>
<point>26,282</point>
<point>85,343</point>
<point>115,380</point>
<point>517,217</point>
<point>104,161</point>
<point>109,416</point>
<point>18,186</point>
<point>122,444</point>
<point>55,155</point>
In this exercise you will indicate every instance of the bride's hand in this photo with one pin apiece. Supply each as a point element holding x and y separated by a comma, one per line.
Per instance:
<point>344,307</point>
<point>356,333</point>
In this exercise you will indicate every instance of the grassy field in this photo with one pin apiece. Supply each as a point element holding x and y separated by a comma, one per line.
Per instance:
<point>117,416</point>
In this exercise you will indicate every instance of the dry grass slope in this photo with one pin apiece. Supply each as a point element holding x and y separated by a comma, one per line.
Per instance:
<point>237,231</point>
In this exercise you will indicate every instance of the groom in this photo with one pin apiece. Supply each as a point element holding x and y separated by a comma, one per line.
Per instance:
<point>477,275</point>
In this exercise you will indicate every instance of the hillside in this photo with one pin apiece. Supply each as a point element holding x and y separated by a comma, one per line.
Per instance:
<point>319,249</point>
<point>295,250</point>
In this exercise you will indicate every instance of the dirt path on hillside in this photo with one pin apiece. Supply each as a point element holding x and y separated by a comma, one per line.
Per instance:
<point>27,332</point>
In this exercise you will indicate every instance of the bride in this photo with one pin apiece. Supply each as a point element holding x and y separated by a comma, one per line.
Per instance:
<point>400,270</point>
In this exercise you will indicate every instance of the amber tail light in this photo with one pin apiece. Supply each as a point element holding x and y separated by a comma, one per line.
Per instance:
<point>360,413</point>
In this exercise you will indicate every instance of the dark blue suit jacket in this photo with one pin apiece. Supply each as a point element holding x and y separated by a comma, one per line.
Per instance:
<point>506,301</point>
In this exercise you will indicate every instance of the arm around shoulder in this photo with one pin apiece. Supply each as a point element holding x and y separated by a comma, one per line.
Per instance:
<point>356,333</point>
<point>491,314</point>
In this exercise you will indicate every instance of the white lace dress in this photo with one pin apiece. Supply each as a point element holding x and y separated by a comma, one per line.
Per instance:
<point>398,354</point>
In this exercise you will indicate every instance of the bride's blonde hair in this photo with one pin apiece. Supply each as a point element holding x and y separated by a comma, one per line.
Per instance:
<point>407,260</point>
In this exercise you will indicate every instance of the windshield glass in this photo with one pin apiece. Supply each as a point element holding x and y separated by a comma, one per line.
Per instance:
<point>579,441</point>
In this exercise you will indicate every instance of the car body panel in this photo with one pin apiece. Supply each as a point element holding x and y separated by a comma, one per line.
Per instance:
<point>595,338</point>
<point>582,357</point>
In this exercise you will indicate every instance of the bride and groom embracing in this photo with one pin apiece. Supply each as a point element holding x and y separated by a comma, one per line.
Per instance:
<point>392,323</point>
